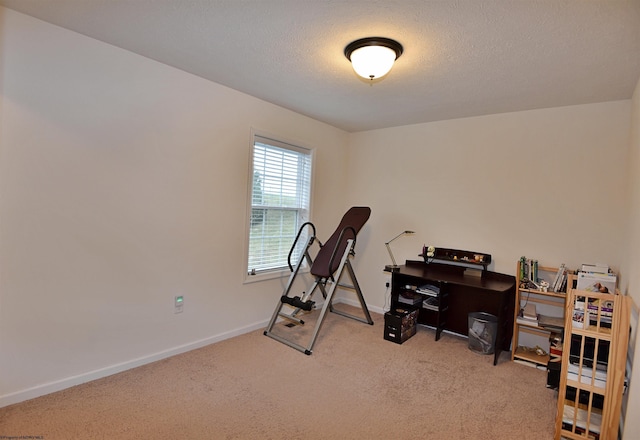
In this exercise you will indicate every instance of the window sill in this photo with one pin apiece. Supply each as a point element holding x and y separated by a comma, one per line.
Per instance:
<point>270,275</point>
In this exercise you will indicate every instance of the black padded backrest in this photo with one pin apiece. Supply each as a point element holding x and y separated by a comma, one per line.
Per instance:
<point>355,218</point>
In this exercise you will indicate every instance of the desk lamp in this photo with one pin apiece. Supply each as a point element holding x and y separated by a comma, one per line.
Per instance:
<point>394,267</point>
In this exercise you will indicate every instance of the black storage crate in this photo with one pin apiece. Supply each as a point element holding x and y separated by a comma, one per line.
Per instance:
<point>400,324</point>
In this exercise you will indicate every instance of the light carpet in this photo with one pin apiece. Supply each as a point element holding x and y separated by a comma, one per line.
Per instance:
<point>355,385</point>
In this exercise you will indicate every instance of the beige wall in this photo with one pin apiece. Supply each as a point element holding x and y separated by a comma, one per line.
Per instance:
<point>632,424</point>
<point>123,182</point>
<point>545,184</point>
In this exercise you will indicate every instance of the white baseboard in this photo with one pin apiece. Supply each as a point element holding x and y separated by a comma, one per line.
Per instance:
<point>58,385</point>
<point>355,303</point>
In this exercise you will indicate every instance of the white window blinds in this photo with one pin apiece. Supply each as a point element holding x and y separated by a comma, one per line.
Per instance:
<point>281,185</point>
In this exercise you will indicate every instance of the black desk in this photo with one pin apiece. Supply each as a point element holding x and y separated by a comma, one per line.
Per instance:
<point>491,292</point>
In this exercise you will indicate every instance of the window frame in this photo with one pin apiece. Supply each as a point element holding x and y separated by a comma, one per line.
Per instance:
<point>288,144</point>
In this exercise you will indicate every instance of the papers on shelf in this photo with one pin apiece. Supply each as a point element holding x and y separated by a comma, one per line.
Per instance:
<point>429,289</point>
<point>551,322</point>
<point>531,364</point>
<point>410,297</point>
<point>600,380</point>
<point>527,321</point>
<point>582,417</point>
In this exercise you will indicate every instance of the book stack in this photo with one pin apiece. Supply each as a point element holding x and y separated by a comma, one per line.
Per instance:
<point>528,315</point>
<point>560,281</point>
<point>529,269</point>
<point>553,323</point>
<point>555,347</point>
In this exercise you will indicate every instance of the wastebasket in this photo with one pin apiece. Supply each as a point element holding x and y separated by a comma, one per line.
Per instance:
<point>483,329</point>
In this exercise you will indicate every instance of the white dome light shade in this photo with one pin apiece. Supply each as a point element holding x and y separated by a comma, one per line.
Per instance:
<point>372,62</point>
<point>373,57</point>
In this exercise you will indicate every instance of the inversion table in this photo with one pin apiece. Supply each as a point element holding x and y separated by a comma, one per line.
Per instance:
<point>327,268</point>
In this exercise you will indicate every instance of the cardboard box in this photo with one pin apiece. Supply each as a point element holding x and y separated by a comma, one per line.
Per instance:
<point>400,324</point>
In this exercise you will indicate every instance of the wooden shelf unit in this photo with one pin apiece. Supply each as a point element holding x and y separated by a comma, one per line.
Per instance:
<point>550,299</point>
<point>593,365</point>
<point>531,356</point>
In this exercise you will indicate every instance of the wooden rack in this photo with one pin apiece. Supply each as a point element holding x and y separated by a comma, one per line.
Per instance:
<point>593,365</point>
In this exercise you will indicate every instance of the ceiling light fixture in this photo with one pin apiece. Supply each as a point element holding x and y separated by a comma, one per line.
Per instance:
<point>373,57</point>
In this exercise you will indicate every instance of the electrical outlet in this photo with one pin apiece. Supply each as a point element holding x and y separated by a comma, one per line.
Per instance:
<point>178,304</point>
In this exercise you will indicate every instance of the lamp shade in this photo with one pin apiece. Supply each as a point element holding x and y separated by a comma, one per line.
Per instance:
<point>372,62</point>
<point>372,58</point>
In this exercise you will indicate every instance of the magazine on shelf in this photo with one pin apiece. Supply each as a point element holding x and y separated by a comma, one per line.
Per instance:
<point>596,282</point>
<point>605,308</point>
<point>586,375</point>
<point>578,320</point>
<point>597,268</point>
<point>431,303</point>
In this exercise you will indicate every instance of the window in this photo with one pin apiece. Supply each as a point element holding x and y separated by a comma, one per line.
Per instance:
<point>280,193</point>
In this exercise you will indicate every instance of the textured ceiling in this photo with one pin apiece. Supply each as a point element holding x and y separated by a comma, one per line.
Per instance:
<point>461,58</point>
